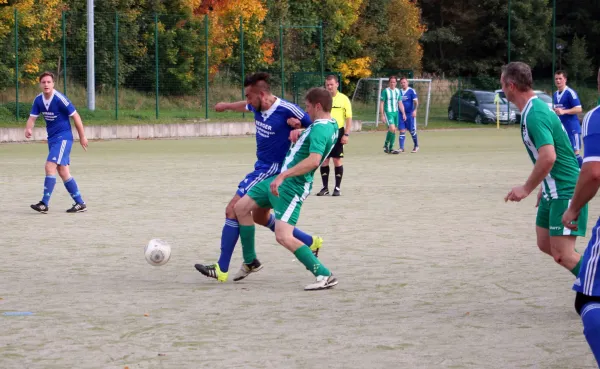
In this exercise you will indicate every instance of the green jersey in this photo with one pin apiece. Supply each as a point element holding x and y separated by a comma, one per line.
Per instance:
<point>319,137</point>
<point>390,100</point>
<point>540,126</point>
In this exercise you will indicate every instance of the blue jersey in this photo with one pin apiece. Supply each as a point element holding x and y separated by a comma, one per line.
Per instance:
<point>56,112</point>
<point>408,100</point>
<point>568,99</point>
<point>273,131</point>
<point>587,278</point>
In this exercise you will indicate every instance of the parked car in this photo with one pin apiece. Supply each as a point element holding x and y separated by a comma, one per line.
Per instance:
<point>540,94</point>
<point>480,107</point>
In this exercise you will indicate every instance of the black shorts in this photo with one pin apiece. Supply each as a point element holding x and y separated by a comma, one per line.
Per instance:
<point>581,300</point>
<point>338,148</point>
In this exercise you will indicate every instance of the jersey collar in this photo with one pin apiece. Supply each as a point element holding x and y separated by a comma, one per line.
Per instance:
<point>528,102</point>
<point>267,113</point>
<point>47,102</point>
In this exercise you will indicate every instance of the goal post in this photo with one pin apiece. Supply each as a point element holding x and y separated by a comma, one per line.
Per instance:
<point>366,98</point>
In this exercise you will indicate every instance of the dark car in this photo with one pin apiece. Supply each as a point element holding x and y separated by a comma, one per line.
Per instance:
<point>479,107</point>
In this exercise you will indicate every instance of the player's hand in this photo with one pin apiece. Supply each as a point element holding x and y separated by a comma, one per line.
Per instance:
<point>559,111</point>
<point>84,142</point>
<point>516,194</point>
<point>344,140</point>
<point>414,114</point>
<point>539,198</point>
<point>294,122</point>
<point>28,132</point>
<point>295,134</point>
<point>403,116</point>
<point>569,218</point>
<point>220,107</point>
<point>275,185</point>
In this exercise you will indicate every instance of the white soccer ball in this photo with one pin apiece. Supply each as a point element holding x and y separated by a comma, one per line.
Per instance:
<point>157,252</point>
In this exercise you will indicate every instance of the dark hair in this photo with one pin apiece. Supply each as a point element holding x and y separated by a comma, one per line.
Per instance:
<point>519,74</point>
<point>562,72</point>
<point>319,95</point>
<point>392,77</point>
<point>331,77</point>
<point>260,79</point>
<point>46,74</point>
<point>401,78</point>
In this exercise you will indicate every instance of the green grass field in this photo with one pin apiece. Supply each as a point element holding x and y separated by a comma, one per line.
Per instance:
<point>435,270</point>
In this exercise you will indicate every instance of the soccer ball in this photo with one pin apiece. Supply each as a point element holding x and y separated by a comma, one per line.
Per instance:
<point>157,252</point>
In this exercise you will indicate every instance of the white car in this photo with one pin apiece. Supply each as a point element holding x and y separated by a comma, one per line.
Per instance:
<point>540,94</point>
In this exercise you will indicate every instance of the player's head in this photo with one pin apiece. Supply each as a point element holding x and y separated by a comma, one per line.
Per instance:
<point>560,79</point>
<point>257,89</point>
<point>404,83</point>
<point>318,101</point>
<point>392,82</point>
<point>47,82</point>
<point>516,79</point>
<point>332,84</point>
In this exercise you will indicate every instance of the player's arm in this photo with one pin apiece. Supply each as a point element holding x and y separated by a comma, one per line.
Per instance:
<point>416,102</point>
<point>401,109</point>
<point>543,166</point>
<point>382,113</point>
<point>309,164</point>
<point>79,127</point>
<point>35,112</point>
<point>238,106</point>
<point>589,177</point>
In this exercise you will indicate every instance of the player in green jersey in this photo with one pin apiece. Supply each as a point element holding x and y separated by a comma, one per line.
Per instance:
<point>286,192</point>
<point>389,107</point>
<point>555,168</point>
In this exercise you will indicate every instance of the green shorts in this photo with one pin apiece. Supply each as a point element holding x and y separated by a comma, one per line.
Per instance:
<point>287,206</point>
<point>550,214</point>
<point>392,118</point>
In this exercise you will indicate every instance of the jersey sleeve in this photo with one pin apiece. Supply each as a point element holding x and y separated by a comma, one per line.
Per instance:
<point>348,108</point>
<point>383,95</point>
<point>540,131</point>
<point>574,99</point>
<point>250,108</point>
<point>35,109</point>
<point>66,105</point>
<point>318,139</point>
<point>414,94</point>
<point>591,136</point>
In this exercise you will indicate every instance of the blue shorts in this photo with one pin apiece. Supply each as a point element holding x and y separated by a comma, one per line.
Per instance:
<point>410,123</point>
<point>261,172</point>
<point>588,280</point>
<point>59,151</point>
<point>575,138</point>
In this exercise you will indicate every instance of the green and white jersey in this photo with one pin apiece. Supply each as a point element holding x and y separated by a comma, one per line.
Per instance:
<point>319,137</point>
<point>540,126</point>
<point>390,100</point>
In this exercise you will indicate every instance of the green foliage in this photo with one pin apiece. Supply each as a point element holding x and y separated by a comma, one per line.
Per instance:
<point>578,62</point>
<point>11,107</point>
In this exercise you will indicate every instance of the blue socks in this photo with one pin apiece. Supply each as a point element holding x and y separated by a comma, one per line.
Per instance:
<point>229,237</point>
<point>402,138</point>
<point>579,160</point>
<point>415,139</point>
<point>590,315</point>
<point>49,183</point>
<point>71,186</point>
<point>298,234</point>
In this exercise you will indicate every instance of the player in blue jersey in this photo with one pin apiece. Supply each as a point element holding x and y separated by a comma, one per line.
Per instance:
<point>275,119</point>
<point>587,284</point>
<point>567,106</point>
<point>410,101</point>
<point>57,110</point>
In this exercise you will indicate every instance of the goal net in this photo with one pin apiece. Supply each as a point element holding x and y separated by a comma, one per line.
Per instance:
<point>366,98</point>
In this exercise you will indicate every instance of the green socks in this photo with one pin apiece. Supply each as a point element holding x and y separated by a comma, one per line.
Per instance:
<point>310,261</point>
<point>575,270</point>
<point>247,237</point>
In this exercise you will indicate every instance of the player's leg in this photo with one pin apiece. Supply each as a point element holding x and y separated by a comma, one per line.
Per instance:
<point>52,161</point>
<point>588,307</point>
<point>244,210</point>
<point>229,237</point>
<point>287,211</point>
<point>265,218</point>
<point>562,239</point>
<point>64,172</point>
<point>325,177</point>
<point>402,125</point>
<point>412,125</point>
<point>575,139</point>
<point>338,165</point>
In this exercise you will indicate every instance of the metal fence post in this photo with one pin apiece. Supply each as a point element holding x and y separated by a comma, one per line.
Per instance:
<point>207,66</point>
<point>242,56</point>
<point>64,46</point>
<point>116,65</point>
<point>17,63</point>
<point>156,58</point>
<point>281,57</point>
<point>322,57</point>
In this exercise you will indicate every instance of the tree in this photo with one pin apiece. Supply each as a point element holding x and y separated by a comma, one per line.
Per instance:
<point>578,62</point>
